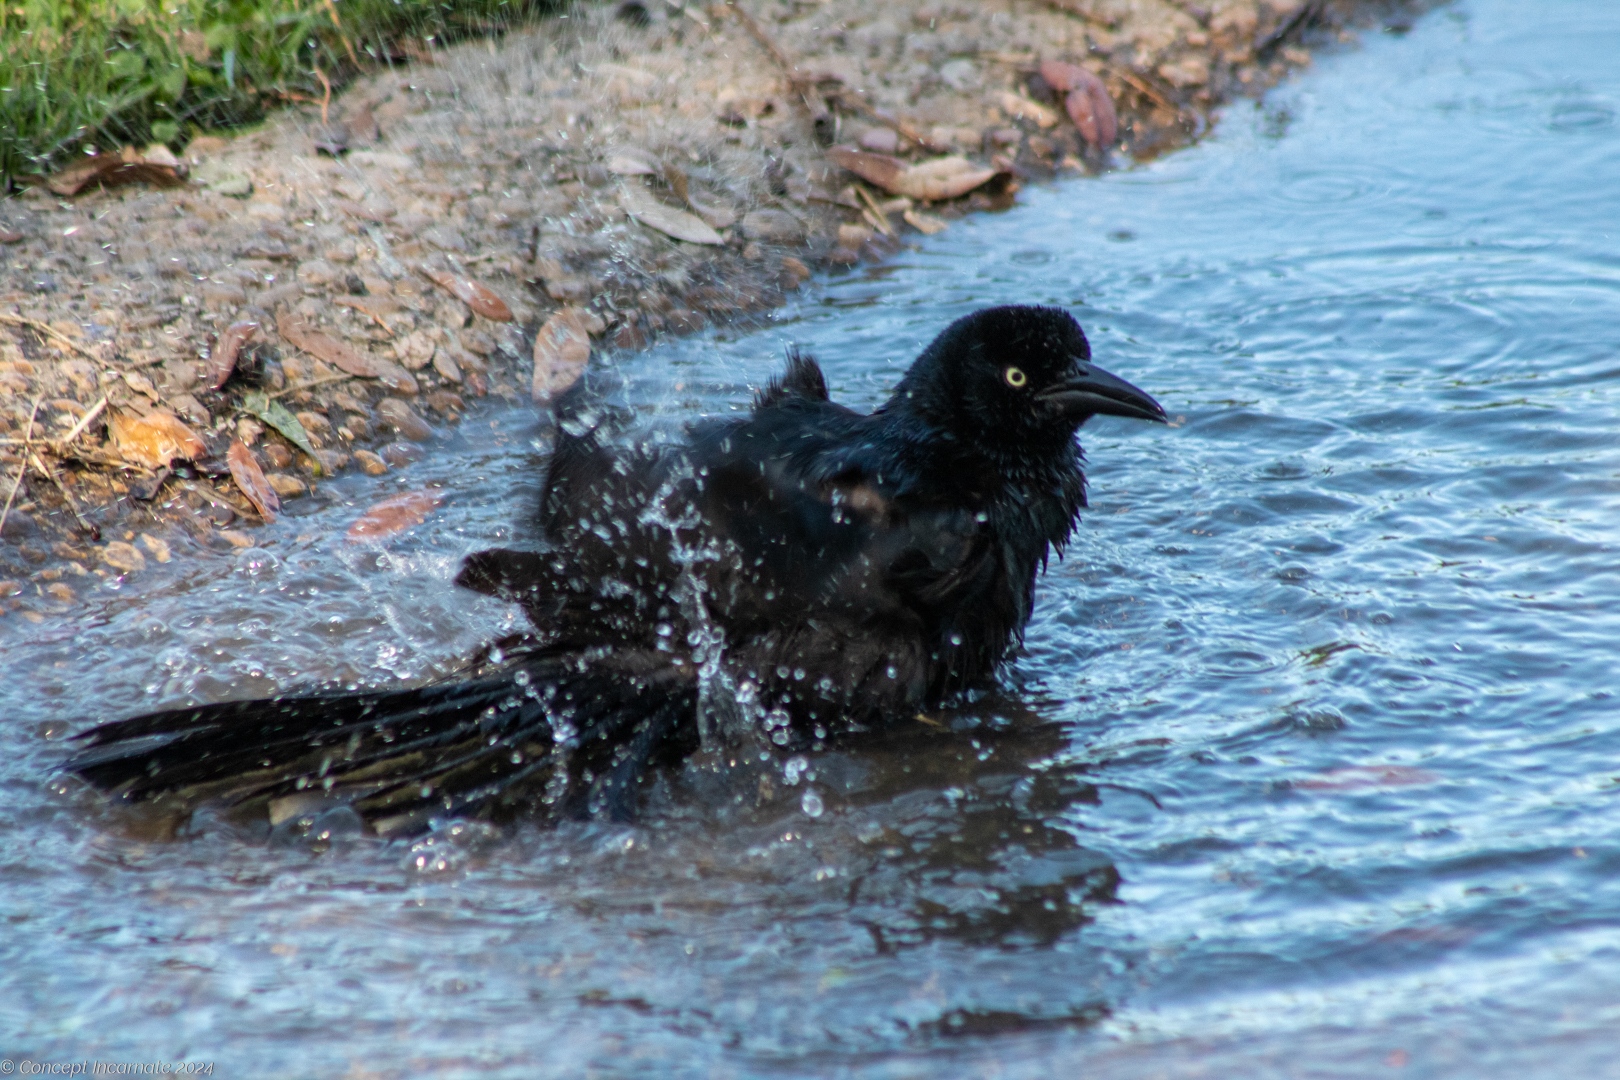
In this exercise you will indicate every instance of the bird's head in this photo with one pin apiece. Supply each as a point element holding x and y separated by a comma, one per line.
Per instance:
<point>1018,378</point>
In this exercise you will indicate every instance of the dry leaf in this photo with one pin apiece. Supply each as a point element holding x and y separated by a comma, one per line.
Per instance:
<point>714,214</point>
<point>222,360</point>
<point>1025,109</point>
<point>639,204</point>
<point>562,348</point>
<point>395,515</point>
<point>1087,101</point>
<point>300,335</point>
<point>110,170</point>
<point>930,181</point>
<point>927,224</point>
<point>251,480</point>
<point>153,440</point>
<point>475,294</point>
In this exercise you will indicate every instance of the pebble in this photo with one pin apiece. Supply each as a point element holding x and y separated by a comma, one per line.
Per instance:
<point>236,538</point>
<point>395,377</point>
<point>277,455</point>
<point>286,486</point>
<point>249,431</point>
<point>400,454</point>
<point>404,419</point>
<point>122,556</point>
<point>159,549</point>
<point>445,365</point>
<point>58,591</point>
<point>414,351</point>
<point>332,461</point>
<point>772,226</point>
<point>318,272</point>
<point>370,463</point>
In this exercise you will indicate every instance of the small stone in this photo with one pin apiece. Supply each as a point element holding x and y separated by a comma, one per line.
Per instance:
<point>446,365</point>
<point>223,179</point>
<point>222,296</point>
<point>341,252</point>
<point>395,378</point>
<point>285,485</point>
<point>853,237</point>
<point>249,431</point>
<point>122,556</point>
<point>414,351</point>
<point>318,272</point>
<point>191,409</point>
<point>570,289</point>
<point>315,423</point>
<point>332,461</point>
<point>158,548</point>
<point>400,454</point>
<point>772,226</point>
<point>370,463</point>
<point>451,313</point>
<point>236,539</point>
<point>880,141</point>
<point>404,419</point>
<point>277,455</point>
<point>56,590</point>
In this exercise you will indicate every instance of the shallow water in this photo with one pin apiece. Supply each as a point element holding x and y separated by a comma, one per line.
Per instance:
<point>1308,769</point>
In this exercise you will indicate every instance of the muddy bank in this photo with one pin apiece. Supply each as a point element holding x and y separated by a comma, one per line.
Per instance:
<point>477,224</point>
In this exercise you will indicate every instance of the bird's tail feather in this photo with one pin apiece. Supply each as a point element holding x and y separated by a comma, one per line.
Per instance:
<point>571,734</point>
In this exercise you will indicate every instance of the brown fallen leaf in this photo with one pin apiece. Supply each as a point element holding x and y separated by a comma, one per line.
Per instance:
<point>9,236</point>
<point>153,440</point>
<point>929,181</point>
<point>475,294</point>
<point>1360,777</point>
<point>394,515</point>
<point>222,360</point>
<point>562,348</point>
<point>1087,101</point>
<point>640,204</point>
<point>300,335</point>
<point>251,480</point>
<point>128,166</point>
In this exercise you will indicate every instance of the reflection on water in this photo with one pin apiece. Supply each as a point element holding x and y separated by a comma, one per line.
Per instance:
<point>1308,768</point>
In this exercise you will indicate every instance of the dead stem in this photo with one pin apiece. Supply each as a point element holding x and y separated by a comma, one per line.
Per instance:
<point>28,436</point>
<point>46,330</point>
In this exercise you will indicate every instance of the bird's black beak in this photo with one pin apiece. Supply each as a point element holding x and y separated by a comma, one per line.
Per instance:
<point>1093,391</point>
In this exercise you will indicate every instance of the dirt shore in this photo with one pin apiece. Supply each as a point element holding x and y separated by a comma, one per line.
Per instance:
<point>480,222</point>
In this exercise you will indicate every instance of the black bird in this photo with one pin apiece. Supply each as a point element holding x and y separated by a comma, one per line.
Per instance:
<point>799,571</point>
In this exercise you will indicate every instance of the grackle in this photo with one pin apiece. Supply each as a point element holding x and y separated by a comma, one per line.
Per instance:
<point>781,576</point>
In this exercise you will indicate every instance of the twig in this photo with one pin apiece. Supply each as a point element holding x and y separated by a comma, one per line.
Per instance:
<point>67,497</point>
<point>1143,87</point>
<point>323,380</point>
<point>45,329</point>
<point>28,436</point>
<point>353,59</point>
<point>873,212</point>
<point>325,82</point>
<point>84,422</point>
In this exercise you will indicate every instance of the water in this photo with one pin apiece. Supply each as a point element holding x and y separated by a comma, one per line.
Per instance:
<point>1308,770</point>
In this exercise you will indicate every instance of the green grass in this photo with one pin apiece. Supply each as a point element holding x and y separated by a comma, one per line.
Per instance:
<point>82,74</point>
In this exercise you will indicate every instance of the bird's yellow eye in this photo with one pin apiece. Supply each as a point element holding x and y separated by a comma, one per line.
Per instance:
<point>1015,377</point>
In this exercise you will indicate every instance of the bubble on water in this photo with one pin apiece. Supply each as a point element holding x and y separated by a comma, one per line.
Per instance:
<point>811,803</point>
<point>793,771</point>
